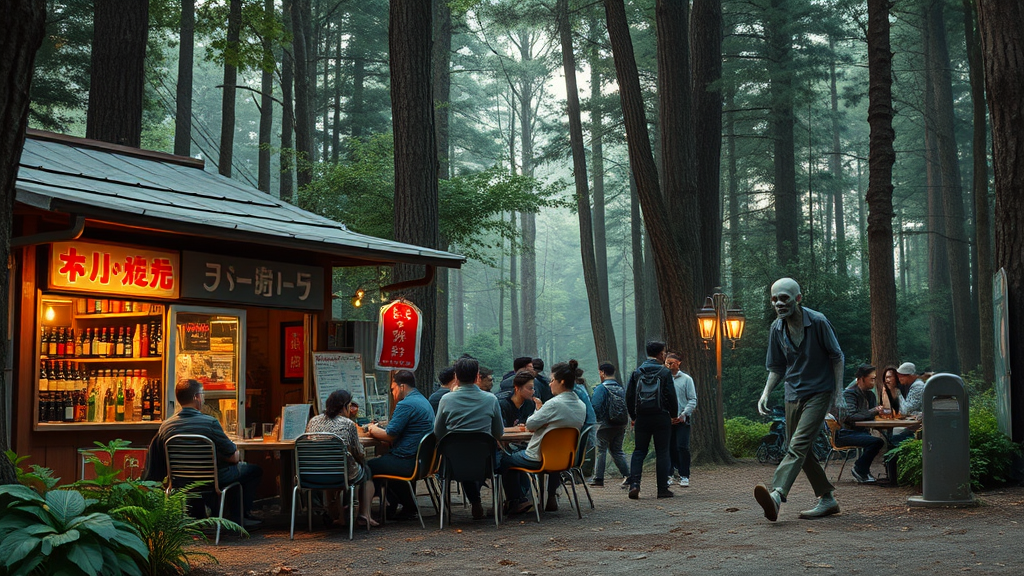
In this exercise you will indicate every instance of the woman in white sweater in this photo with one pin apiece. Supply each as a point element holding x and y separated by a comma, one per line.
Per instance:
<point>563,410</point>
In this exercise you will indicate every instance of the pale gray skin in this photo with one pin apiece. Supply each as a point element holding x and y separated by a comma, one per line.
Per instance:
<point>786,299</point>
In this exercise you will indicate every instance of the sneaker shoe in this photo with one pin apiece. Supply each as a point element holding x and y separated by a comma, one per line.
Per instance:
<point>596,482</point>
<point>671,481</point>
<point>478,510</point>
<point>826,506</point>
<point>684,482</point>
<point>634,492</point>
<point>625,482</point>
<point>865,478</point>
<point>665,493</point>
<point>770,501</point>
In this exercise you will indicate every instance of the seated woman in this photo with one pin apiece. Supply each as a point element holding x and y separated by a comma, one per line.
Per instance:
<point>892,397</point>
<point>563,410</point>
<point>335,421</point>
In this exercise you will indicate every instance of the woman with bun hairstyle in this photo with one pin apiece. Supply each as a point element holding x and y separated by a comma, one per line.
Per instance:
<point>563,410</point>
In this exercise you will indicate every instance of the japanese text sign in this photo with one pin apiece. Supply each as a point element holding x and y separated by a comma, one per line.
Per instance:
<point>114,269</point>
<point>250,281</point>
<point>398,336</point>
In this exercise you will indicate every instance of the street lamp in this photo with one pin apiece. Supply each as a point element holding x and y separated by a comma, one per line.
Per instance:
<point>716,321</point>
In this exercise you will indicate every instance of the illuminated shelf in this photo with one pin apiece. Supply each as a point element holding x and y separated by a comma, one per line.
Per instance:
<point>114,360</point>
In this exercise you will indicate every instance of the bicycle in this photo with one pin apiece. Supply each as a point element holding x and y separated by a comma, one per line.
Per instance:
<point>774,445</point>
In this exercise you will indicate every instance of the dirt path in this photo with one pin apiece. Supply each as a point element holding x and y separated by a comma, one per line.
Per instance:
<point>712,527</point>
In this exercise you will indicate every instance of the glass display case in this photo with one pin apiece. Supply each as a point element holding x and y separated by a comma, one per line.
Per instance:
<point>208,345</point>
<point>100,362</point>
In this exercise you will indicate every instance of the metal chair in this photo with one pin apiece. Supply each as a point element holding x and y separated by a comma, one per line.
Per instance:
<point>832,427</point>
<point>193,458</point>
<point>558,449</point>
<point>468,457</point>
<point>426,455</point>
<point>321,463</point>
<point>576,472</point>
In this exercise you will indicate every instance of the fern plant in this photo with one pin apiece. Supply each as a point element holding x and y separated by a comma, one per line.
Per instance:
<point>39,478</point>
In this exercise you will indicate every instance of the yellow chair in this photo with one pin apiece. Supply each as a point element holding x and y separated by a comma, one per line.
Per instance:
<point>846,452</point>
<point>557,454</point>
<point>426,465</point>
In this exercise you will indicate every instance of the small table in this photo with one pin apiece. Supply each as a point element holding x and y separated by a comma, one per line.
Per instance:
<point>514,434</point>
<point>887,424</point>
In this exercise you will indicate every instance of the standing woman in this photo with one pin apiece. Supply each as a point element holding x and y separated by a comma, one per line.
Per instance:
<point>563,410</point>
<point>334,420</point>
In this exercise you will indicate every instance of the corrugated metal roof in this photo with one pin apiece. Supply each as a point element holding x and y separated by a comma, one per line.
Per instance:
<point>118,187</point>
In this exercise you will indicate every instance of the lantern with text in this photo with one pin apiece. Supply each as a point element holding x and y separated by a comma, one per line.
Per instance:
<point>398,336</point>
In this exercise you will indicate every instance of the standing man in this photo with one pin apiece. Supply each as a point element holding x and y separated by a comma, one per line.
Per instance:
<point>469,409</point>
<point>612,417</point>
<point>802,351</point>
<point>651,401</point>
<point>679,444</point>
<point>411,421</point>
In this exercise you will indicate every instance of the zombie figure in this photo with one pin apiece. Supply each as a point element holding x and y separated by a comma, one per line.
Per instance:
<point>803,352</point>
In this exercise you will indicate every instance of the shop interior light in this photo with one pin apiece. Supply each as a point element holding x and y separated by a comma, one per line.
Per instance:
<point>49,314</point>
<point>357,299</point>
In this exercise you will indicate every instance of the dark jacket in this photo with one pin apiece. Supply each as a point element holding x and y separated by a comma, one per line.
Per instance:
<point>858,406</point>
<point>669,404</point>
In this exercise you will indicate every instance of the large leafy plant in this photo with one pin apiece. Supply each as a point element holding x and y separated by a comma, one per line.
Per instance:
<point>52,534</point>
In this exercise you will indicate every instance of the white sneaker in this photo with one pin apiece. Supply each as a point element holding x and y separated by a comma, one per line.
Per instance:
<point>671,480</point>
<point>684,482</point>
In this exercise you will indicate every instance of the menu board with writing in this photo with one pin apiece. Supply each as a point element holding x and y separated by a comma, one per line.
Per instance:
<point>194,332</point>
<point>336,371</point>
<point>293,420</point>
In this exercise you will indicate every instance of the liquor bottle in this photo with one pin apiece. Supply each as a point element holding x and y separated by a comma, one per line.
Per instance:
<point>80,406</point>
<point>144,342</point>
<point>153,342</point>
<point>129,343</point>
<point>157,404</point>
<point>119,405</point>
<point>129,404</point>
<point>136,341</point>
<point>87,343</point>
<point>147,403</point>
<point>79,343</point>
<point>97,306</point>
<point>129,306</point>
<point>58,347</point>
<point>119,341</point>
<point>44,390</point>
<point>51,343</point>
<point>109,410</point>
<point>115,306</point>
<point>90,412</point>
<point>44,347</point>
<point>68,406</point>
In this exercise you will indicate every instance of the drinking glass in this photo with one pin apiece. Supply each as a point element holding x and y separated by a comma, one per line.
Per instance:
<point>268,431</point>
<point>249,431</point>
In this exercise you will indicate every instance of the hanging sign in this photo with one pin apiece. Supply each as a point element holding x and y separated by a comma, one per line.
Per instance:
<point>251,281</point>
<point>398,336</point>
<point>114,269</point>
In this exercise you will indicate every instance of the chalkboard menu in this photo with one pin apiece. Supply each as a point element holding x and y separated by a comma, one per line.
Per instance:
<point>336,371</point>
<point>194,332</point>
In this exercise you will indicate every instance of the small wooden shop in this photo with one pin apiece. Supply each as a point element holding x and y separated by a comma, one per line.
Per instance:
<point>133,269</point>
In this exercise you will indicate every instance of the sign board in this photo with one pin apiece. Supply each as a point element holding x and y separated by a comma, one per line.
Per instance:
<point>338,371</point>
<point>250,281</point>
<point>114,269</point>
<point>1001,322</point>
<point>293,420</point>
<point>398,336</point>
<point>194,332</point>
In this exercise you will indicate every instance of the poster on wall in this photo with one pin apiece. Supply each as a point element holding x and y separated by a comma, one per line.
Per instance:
<point>336,371</point>
<point>293,356</point>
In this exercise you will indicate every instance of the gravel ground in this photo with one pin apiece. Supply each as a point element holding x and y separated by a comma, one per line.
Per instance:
<point>714,526</point>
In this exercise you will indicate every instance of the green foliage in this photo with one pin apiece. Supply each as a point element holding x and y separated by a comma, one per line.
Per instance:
<point>40,478</point>
<point>53,535</point>
<point>484,347</point>
<point>910,463</point>
<point>743,435</point>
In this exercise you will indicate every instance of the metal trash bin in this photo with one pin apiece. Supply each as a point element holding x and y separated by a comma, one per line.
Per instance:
<point>946,450</point>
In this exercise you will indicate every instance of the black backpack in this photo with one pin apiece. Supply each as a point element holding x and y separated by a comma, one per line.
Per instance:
<point>648,392</point>
<point>618,415</point>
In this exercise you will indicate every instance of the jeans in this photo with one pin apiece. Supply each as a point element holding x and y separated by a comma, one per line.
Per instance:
<point>515,483</point>
<point>589,460</point>
<point>871,445</point>
<point>248,475</point>
<point>398,492</point>
<point>804,419</point>
<point>659,428</point>
<point>609,438</point>
<point>679,449</point>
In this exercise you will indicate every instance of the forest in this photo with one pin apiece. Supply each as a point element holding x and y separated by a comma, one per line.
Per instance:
<point>604,165</point>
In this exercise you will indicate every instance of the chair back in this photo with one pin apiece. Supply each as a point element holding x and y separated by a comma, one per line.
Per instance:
<point>558,449</point>
<point>581,446</point>
<point>833,429</point>
<point>191,458</point>
<point>467,456</point>
<point>321,461</point>
<point>426,457</point>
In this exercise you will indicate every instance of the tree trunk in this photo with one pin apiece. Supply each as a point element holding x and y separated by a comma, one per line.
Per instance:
<point>358,83</point>
<point>441,79</point>
<point>23,34</point>
<point>416,203</point>
<point>287,116</point>
<point>836,168</point>
<point>965,323</point>
<point>183,98</point>
<point>999,25</point>
<point>528,258</point>
<point>301,14</point>
<point>781,120</point>
<point>266,109</point>
<point>597,165</point>
<point>678,311</point>
<point>325,137</point>
<point>120,30</point>
<point>706,50</point>
<point>881,157</point>
<point>735,236</point>
<point>458,309</point>
<point>979,193</point>
<point>513,296</point>
<point>336,124</point>
<point>600,313</point>
<point>227,105</point>
<point>639,292</point>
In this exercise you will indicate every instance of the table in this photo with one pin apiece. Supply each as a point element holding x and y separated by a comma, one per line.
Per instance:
<point>887,424</point>
<point>514,434</point>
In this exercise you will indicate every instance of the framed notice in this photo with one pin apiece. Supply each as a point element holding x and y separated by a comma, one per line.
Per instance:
<point>293,420</point>
<point>293,352</point>
<point>338,371</point>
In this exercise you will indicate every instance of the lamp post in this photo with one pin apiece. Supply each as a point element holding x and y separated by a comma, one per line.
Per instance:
<point>717,321</point>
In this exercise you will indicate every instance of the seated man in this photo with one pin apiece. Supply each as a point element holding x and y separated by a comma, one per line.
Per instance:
<point>469,409</point>
<point>912,388</point>
<point>520,364</point>
<point>861,405</point>
<point>446,377</point>
<point>411,421</point>
<point>190,420</point>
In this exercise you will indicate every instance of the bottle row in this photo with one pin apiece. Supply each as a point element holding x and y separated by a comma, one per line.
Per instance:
<point>142,341</point>
<point>67,393</point>
<point>101,306</point>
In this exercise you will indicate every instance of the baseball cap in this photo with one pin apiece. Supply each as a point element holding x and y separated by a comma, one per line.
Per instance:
<point>907,369</point>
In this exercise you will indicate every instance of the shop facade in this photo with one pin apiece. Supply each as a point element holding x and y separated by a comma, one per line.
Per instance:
<point>134,270</point>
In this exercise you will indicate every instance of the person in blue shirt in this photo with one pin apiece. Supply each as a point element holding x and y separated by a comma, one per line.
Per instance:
<point>609,434</point>
<point>584,395</point>
<point>802,352</point>
<point>412,419</point>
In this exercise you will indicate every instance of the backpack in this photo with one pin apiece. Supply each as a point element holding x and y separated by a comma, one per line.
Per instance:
<point>648,392</point>
<point>618,415</point>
